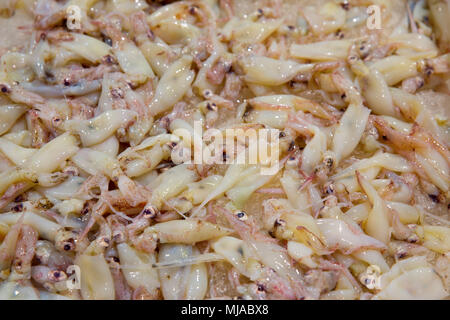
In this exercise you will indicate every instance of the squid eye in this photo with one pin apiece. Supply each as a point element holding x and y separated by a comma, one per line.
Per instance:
<point>150,212</point>
<point>241,215</point>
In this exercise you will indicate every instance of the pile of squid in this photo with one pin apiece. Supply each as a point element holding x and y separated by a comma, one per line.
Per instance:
<point>96,204</point>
